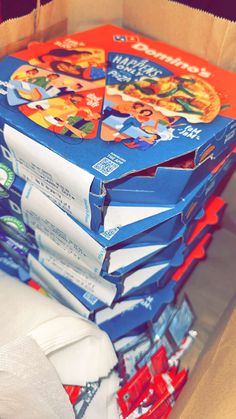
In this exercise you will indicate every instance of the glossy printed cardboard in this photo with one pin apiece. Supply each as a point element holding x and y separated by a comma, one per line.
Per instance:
<point>143,102</point>
<point>134,313</point>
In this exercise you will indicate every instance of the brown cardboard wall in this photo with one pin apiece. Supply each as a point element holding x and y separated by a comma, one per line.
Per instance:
<point>83,14</point>
<point>56,18</point>
<point>210,392</point>
<point>12,35</point>
<point>214,39</point>
<point>197,32</point>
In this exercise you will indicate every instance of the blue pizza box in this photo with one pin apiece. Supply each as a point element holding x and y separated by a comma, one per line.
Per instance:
<point>170,256</point>
<point>35,129</point>
<point>84,281</point>
<point>26,263</point>
<point>157,273</point>
<point>79,280</point>
<point>107,254</point>
<point>86,298</point>
<point>159,278</point>
<point>161,195</point>
<point>7,263</point>
<point>56,287</point>
<point>12,187</point>
<point>166,184</point>
<point>78,277</point>
<point>133,314</point>
<point>129,256</point>
<point>80,300</point>
<point>14,226</point>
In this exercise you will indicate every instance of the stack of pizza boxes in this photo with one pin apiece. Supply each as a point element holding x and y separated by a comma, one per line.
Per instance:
<point>113,147</point>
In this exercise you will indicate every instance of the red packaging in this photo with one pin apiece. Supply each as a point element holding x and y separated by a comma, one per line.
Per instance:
<point>137,389</point>
<point>73,392</point>
<point>170,392</point>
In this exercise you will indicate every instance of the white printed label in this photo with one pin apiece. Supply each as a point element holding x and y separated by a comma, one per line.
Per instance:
<point>47,281</point>
<point>65,183</point>
<point>41,214</point>
<point>104,290</point>
<point>45,244</point>
<point>53,257</point>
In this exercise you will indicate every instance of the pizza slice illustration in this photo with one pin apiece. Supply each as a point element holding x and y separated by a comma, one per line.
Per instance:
<point>60,103</point>
<point>82,62</point>
<point>75,115</point>
<point>187,96</point>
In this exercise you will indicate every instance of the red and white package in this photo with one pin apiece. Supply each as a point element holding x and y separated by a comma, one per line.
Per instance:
<point>131,395</point>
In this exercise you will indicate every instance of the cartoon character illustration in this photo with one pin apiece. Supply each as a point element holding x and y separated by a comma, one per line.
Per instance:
<point>125,115</point>
<point>76,119</point>
<point>22,92</point>
<point>22,89</point>
<point>187,95</point>
<point>70,115</point>
<point>43,81</point>
<point>25,75</point>
<point>87,64</point>
<point>143,142</point>
<point>29,91</point>
<point>29,84</point>
<point>55,101</point>
<point>134,124</point>
<point>82,124</point>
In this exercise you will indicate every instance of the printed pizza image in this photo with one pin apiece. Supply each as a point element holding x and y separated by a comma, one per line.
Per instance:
<point>188,95</point>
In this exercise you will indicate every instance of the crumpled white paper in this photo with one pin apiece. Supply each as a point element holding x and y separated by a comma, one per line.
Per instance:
<point>29,385</point>
<point>104,404</point>
<point>78,349</point>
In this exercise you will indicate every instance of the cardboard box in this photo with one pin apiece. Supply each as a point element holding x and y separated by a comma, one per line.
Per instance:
<point>93,293</point>
<point>181,26</point>
<point>135,312</point>
<point>7,264</point>
<point>148,305</point>
<point>113,147</point>
<point>110,256</point>
<point>79,279</point>
<point>216,43</point>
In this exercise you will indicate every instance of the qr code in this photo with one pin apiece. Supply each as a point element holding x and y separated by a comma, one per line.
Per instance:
<point>108,234</point>
<point>105,166</point>
<point>90,298</point>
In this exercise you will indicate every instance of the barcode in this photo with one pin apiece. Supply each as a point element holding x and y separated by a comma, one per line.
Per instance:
<point>90,298</point>
<point>105,166</point>
<point>108,234</point>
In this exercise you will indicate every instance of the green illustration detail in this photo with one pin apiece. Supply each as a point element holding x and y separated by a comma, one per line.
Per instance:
<point>7,176</point>
<point>14,222</point>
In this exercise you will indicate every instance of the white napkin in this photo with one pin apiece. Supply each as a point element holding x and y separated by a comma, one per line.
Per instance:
<point>77,348</point>
<point>29,385</point>
<point>104,404</point>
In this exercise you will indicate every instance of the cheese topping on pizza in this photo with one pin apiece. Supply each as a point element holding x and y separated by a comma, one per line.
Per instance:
<point>187,95</point>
